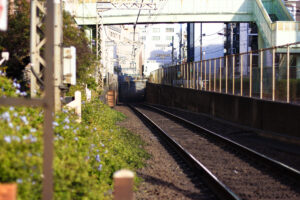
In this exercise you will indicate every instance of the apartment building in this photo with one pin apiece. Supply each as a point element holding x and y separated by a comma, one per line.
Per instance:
<point>162,46</point>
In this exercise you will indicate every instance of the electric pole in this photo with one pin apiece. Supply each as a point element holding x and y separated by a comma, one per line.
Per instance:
<point>201,58</point>
<point>172,50</point>
<point>37,42</point>
<point>58,36</point>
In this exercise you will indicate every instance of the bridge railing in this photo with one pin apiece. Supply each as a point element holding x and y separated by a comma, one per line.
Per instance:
<point>272,74</point>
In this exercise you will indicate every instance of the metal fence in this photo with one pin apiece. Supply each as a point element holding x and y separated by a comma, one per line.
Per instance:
<point>272,74</point>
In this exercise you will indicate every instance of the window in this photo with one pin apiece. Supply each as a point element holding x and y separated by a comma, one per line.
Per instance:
<point>169,30</point>
<point>168,37</point>
<point>155,37</point>
<point>156,30</point>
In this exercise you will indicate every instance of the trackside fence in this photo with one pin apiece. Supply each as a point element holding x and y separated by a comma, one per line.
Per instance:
<point>271,73</point>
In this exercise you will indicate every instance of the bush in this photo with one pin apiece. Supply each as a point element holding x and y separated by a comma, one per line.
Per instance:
<point>86,154</point>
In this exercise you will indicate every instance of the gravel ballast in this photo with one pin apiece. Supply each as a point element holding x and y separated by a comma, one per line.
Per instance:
<point>164,177</point>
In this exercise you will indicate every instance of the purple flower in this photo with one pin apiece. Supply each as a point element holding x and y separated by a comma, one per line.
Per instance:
<point>59,137</point>
<point>98,158</point>
<point>33,130</point>
<point>30,137</point>
<point>10,125</point>
<point>99,167</point>
<point>6,116</point>
<point>67,120</point>
<point>16,138</point>
<point>54,124</point>
<point>19,180</point>
<point>24,119</point>
<point>76,138</point>
<point>16,85</point>
<point>7,139</point>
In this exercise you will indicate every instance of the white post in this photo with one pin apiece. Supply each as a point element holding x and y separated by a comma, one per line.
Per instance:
<point>76,104</point>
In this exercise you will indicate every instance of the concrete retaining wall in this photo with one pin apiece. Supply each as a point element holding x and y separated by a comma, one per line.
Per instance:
<point>132,91</point>
<point>277,117</point>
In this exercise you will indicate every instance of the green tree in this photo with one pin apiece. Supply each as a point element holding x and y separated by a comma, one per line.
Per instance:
<point>75,36</point>
<point>16,39</point>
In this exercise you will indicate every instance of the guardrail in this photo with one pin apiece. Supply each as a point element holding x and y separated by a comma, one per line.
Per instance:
<point>272,74</point>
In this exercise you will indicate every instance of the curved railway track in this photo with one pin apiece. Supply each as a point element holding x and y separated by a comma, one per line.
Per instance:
<point>231,170</point>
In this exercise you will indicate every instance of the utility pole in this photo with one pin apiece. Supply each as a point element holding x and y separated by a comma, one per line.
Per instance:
<point>37,42</point>
<point>47,181</point>
<point>99,43</point>
<point>172,50</point>
<point>201,58</point>
<point>58,36</point>
<point>190,42</point>
<point>180,43</point>
<point>37,14</point>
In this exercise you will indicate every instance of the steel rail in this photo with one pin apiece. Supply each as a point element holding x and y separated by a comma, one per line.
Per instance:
<point>218,188</point>
<point>261,157</point>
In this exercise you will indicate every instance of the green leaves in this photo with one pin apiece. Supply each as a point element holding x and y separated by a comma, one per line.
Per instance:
<point>86,154</point>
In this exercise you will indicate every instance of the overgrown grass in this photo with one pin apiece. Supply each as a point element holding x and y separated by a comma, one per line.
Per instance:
<point>86,154</point>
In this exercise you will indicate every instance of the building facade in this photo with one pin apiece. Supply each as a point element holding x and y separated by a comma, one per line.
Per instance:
<point>161,46</point>
<point>294,8</point>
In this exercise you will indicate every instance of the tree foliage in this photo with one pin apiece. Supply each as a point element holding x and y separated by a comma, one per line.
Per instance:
<point>75,36</point>
<point>16,40</point>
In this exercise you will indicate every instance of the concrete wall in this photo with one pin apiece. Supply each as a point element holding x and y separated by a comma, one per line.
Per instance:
<point>132,91</point>
<point>266,115</point>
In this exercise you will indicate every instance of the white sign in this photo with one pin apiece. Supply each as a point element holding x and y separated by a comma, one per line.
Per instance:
<point>69,65</point>
<point>3,15</point>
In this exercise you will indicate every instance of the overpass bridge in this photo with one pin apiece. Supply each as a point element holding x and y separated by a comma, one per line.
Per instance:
<point>255,93</point>
<point>275,24</point>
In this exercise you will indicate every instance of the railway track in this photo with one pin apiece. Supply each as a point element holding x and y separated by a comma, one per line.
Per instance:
<point>231,170</point>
